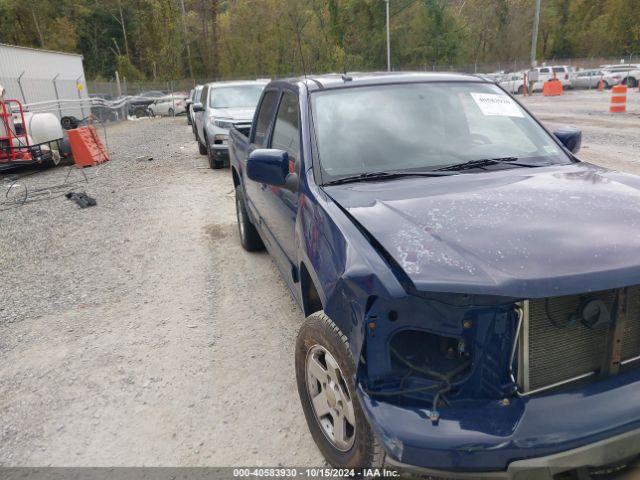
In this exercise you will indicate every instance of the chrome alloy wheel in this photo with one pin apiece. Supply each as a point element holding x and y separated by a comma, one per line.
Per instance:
<point>332,403</point>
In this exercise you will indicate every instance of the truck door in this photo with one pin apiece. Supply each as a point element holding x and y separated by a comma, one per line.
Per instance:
<point>259,138</point>
<point>281,205</point>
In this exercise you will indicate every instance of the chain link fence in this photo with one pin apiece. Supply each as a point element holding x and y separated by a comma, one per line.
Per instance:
<point>111,89</point>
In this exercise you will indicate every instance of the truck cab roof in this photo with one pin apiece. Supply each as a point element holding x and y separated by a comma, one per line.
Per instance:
<point>359,79</point>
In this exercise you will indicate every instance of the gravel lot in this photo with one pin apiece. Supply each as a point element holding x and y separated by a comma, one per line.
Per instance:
<point>138,332</point>
<point>610,140</point>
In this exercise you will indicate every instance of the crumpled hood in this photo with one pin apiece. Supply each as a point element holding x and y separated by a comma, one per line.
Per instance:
<point>234,114</point>
<point>522,232</point>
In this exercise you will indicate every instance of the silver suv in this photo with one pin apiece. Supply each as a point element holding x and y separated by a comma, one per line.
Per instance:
<point>223,105</point>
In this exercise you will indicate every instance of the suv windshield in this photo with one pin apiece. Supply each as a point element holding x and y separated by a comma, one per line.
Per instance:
<point>237,96</point>
<point>421,127</point>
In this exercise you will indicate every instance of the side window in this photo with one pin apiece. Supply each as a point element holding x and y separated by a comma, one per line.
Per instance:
<point>203,96</point>
<point>544,70</point>
<point>264,117</point>
<point>286,132</point>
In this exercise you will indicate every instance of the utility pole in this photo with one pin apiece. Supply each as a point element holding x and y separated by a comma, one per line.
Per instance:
<point>186,38</point>
<point>534,35</point>
<point>389,39</point>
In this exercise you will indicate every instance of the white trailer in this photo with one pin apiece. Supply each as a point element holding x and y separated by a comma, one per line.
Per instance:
<point>44,80</point>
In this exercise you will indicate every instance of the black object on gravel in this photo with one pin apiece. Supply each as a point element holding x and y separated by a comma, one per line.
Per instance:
<point>82,199</point>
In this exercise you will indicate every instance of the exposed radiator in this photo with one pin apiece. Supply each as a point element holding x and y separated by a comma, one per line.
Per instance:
<point>555,348</point>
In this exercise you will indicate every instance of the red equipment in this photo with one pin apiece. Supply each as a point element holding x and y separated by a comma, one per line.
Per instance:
<point>15,147</point>
<point>14,142</point>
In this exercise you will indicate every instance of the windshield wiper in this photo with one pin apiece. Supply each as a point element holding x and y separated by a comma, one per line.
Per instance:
<point>487,162</point>
<point>371,176</point>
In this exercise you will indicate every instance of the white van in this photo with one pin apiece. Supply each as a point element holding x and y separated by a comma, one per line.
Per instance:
<point>544,74</point>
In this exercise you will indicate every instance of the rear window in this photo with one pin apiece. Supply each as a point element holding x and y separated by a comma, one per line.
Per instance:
<point>559,69</point>
<point>237,96</point>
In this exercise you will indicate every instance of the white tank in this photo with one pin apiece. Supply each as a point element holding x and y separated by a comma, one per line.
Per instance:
<point>43,127</point>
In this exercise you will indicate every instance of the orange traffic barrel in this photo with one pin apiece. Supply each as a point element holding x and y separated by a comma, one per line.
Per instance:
<point>618,99</point>
<point>552,88</point>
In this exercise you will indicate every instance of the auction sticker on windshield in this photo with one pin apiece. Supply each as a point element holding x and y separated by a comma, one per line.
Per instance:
<point>497,105</point>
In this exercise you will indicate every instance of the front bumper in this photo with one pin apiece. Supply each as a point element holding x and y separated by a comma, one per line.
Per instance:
<point>595,425</point>
<point>221,154</point>
<point>605,452</point>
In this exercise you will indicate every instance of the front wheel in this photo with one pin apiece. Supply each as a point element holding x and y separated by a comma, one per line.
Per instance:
<point>249,236</point>
<point>324,373</point>
<point>172,112</point>
<point>211,156</point>
<point>632,82</point>
<point>201,148</point>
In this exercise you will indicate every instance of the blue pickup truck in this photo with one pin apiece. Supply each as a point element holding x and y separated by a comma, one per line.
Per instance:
<point>471,288</point>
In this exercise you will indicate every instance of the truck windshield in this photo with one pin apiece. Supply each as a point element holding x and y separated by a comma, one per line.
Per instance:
<point>423,127</point>
<point>238,96</point>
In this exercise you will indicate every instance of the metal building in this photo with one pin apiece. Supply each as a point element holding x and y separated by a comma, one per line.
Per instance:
<point>45,80</point>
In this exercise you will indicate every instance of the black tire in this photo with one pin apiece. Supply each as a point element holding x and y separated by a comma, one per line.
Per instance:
<point>69,123</point>
<point>319,330</point>
<point>249,236</point>
<point>141,112</point>
<point>201,148</point>
<point>151,112</point>
<point>520,90</point>
<point>172,112</point>
<point>188,118</point>
<point>605,85</point>
<point>55,160</point>
<point>211,156</point>
<point>632,82</point>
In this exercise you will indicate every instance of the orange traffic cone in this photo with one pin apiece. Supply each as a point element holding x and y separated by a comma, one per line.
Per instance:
<point>601,85</point>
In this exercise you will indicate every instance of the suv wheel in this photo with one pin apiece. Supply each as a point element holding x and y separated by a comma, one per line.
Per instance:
<point>172,112</point>
<point>211,156</point>
<point>201,148</point>
<point>249,236</point>
<point>324,372</point>
<point>632,82</point>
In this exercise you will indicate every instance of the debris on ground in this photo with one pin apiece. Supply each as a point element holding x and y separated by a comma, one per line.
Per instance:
<point>82,199</point>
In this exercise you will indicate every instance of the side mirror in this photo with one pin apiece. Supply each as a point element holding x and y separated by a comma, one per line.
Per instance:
<point>188,101</point>
<point>198,107</point>
<point>570,137</point>
<point>271,166</point>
